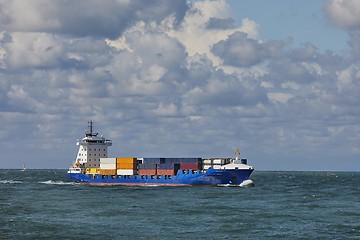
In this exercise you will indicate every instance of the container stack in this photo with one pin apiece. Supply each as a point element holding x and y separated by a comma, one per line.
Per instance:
<point>126,166</point>
<point>207,164</point>
<point>107,166</point>
<point>190,163</point>
<point>149,166</point>
<point>167,168</point>
<point>215,163</point>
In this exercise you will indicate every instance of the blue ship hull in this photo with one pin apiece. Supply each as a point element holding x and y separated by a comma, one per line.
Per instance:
<point>186,177</point>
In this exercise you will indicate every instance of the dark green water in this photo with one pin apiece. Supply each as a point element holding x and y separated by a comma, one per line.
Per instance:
<point>42,204</point>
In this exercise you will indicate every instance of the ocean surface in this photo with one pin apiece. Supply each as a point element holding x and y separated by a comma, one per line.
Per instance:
<point>43,204</point>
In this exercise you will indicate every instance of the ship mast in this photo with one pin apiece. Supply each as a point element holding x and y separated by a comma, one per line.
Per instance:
<point>89,133</point>
<point>237,153</point>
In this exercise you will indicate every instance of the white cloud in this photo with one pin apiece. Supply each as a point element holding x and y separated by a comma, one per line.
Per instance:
<point>33,50</point>
<point>194,26</point>
<point>344,14</point>
<point>278,97</point>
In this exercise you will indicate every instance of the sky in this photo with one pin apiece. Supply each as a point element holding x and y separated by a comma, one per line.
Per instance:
<point>278,79</point>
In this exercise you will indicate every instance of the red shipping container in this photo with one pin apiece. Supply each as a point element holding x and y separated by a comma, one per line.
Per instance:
<point>189,166</point>
<point>146,172</point>
<point>165,172</point>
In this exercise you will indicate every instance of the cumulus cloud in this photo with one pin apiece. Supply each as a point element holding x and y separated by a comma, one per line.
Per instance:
<point>85,18</point>
<point>344,14</point>
<point>240,51</point>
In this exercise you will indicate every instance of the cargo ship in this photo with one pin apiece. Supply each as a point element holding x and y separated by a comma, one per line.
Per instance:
<point>93,166</point>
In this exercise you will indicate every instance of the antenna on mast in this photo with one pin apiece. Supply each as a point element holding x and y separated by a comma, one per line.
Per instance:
<point>89,133</point>
<point>90,126</point>
<point>237,153</point>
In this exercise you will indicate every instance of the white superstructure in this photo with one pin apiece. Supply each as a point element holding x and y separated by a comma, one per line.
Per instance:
<point>237,163</point>
<point>91,149</point>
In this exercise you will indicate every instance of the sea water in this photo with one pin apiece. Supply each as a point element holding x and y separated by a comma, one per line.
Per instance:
<point>43,204</point>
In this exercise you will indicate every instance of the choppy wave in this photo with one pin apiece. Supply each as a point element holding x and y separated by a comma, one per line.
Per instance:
<point>51,182</point>
<point>10,182</point>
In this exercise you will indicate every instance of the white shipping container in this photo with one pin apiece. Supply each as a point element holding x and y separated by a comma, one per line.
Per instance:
<point>125,172</point>
<point>107,166</point>
<point>206,167</point>
<point>216,166</point>
<point>218,161</point>
<point>207,161</point>
<point>108,160</point>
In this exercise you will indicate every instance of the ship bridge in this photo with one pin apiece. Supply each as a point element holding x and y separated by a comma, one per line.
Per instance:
<point>91,149</point>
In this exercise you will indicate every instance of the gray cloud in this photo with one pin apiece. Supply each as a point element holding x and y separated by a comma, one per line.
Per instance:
<point>217,23</point>
<point>240,51</point>
<point>85,18</point>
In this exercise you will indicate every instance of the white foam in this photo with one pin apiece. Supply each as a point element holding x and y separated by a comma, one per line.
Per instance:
<point>10,182</point>
<point>51,182</point>
<point>244,184</point>
<point>247,183</point>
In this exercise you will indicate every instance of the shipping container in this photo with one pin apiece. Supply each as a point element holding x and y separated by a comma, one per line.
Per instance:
<point>166,172</point>
<point>216,166</point>
<point>92,170</point>
<point>207,166</point>
<point>126,160</point>
<point>218,161</point>
<point>146,172</point>
<point>168,166</point>
<point>147,166</point>
<point>107,165</point>
<point>107,171</point>
<point>126,166</point>
<point>152,160</point>
<point>125,171</point>
<point>108,160</point>
<point>189,166</point>
<point>207,161</point>
<point>165,166</point>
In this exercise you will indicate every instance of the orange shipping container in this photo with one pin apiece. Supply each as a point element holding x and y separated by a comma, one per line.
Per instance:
<point>107,171</point>
<point>166,172</point>
<point>147,172</point>
<point>126,160</point>
<point>126,166</point>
